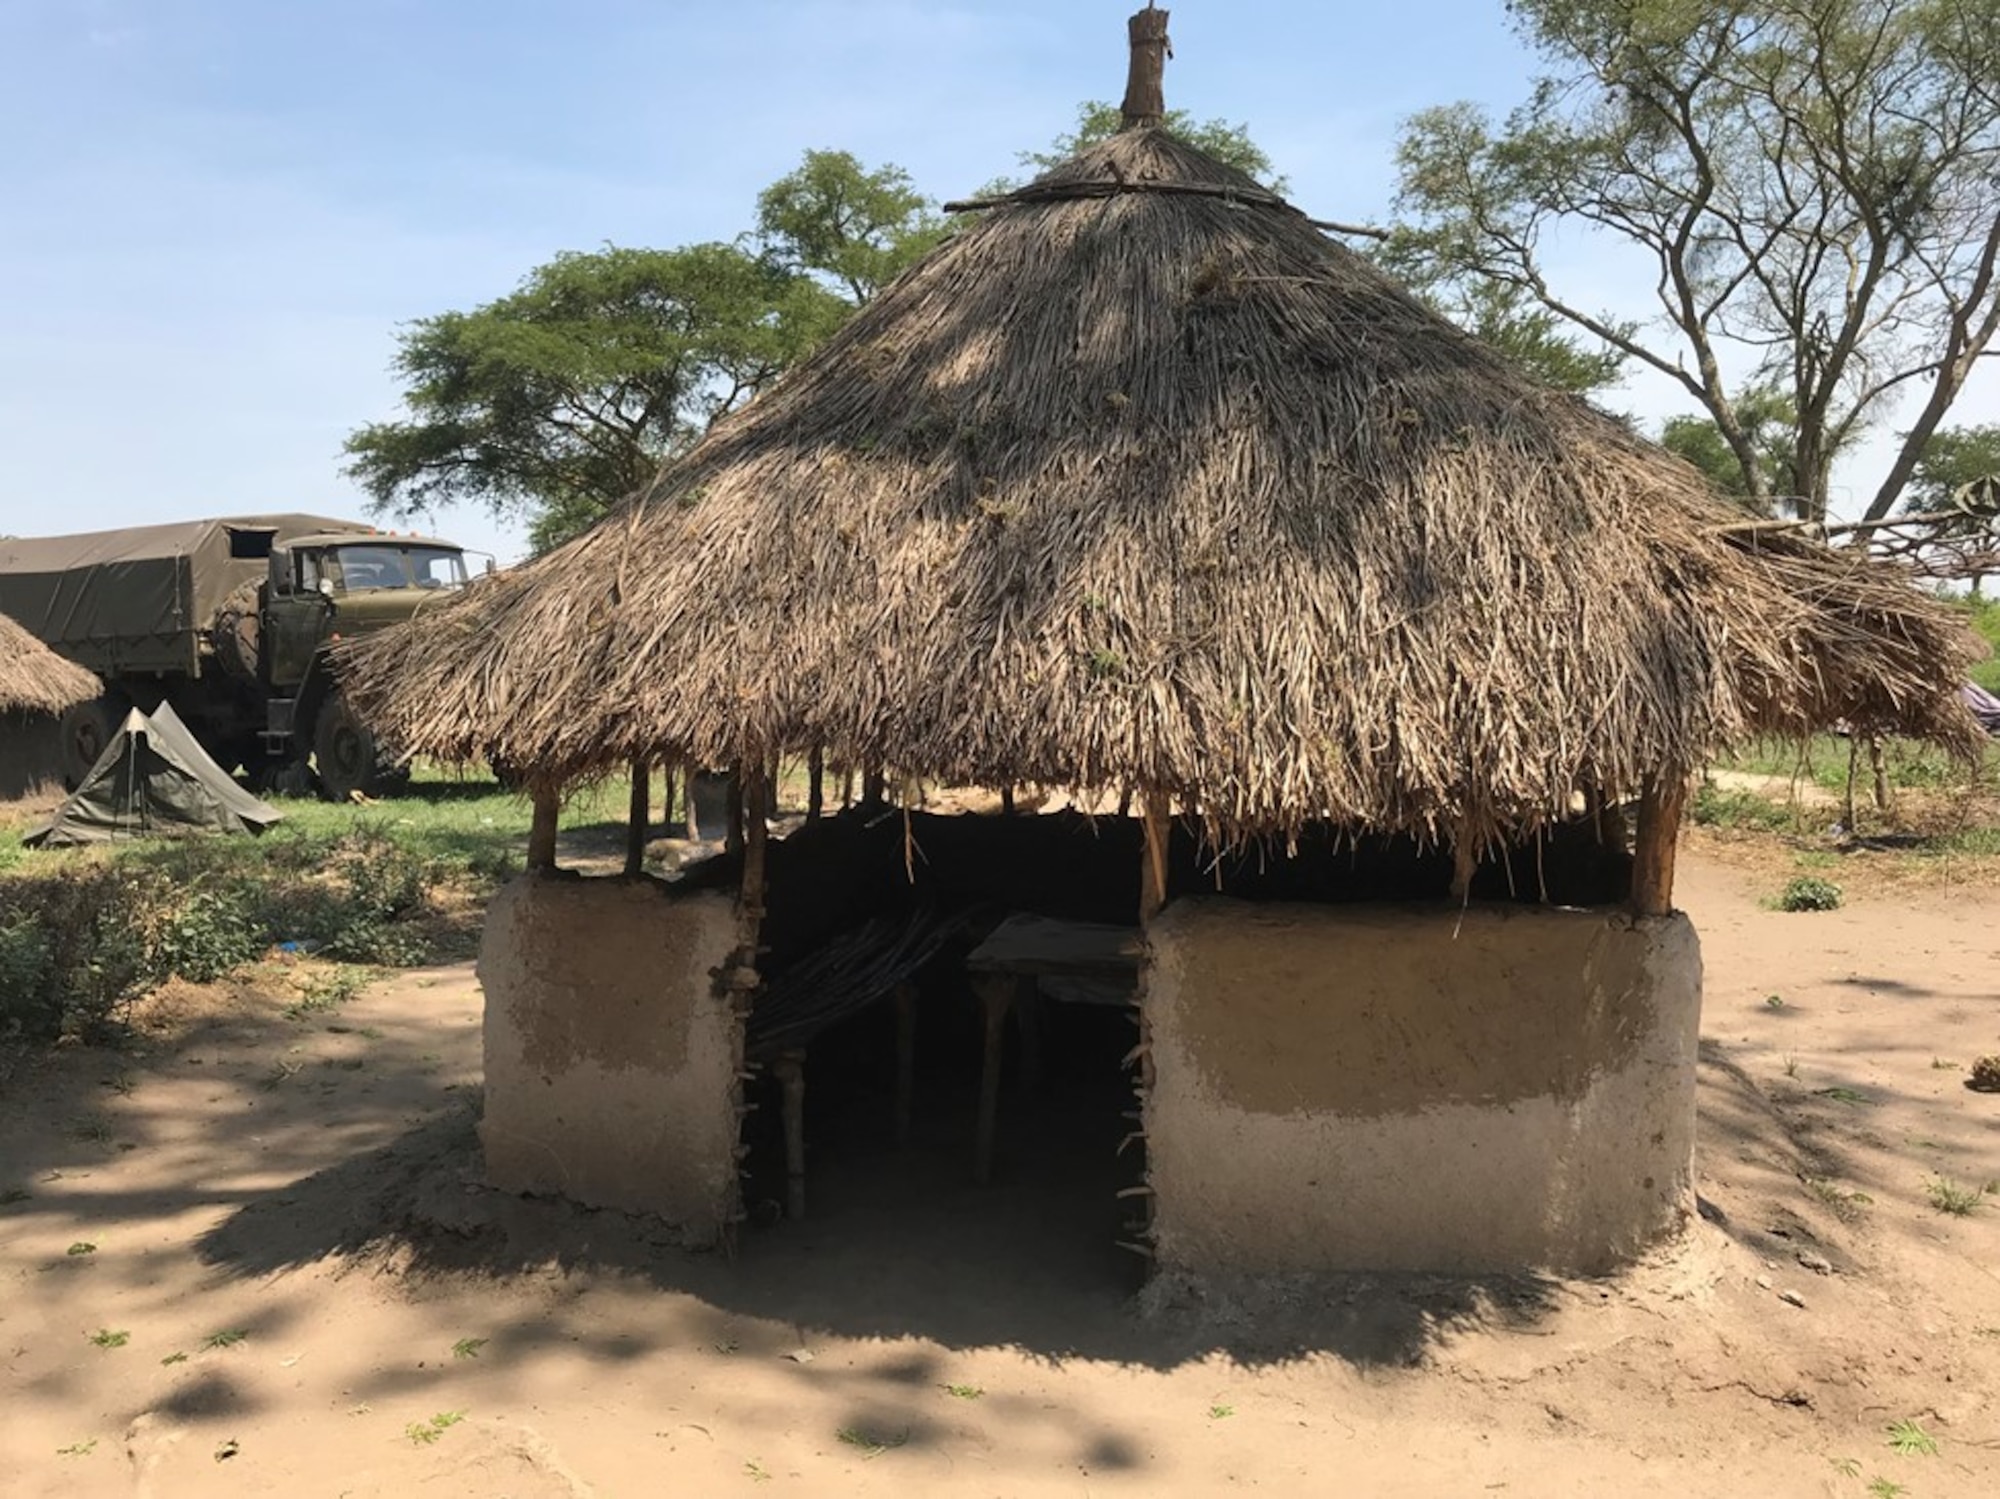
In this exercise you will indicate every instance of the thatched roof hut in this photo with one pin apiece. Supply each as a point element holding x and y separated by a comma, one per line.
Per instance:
<point>1143,481</point>
<point>34,679</point>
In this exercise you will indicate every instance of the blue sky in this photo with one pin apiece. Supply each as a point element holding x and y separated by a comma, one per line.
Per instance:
<point>215,213</point>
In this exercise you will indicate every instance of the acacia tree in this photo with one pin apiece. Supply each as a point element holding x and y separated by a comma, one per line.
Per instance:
<point>857,229</point>
<point>1768,419</point>
<point>1097,120</point>
<point>558,399</point>
<point>1813,185</point>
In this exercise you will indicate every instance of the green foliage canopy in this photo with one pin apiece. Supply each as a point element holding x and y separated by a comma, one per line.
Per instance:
<point>567,394</point>
<point>1812,187</point>
<point>859,229</point>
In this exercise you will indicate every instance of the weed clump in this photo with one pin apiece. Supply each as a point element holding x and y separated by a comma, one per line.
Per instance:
<point>80,944</point>
<point>1810,893</point>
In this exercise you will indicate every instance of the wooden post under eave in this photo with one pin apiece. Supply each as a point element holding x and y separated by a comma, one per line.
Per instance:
<point>638,819</point>
<point>1653,849</point>
<point>1153,874</point>
<point>755,807</point>
<point>542,832</point>
<point>816,784</point>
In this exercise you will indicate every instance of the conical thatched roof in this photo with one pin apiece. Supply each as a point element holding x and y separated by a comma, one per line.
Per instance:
<point>34,679</point>
<point>1140,480</point>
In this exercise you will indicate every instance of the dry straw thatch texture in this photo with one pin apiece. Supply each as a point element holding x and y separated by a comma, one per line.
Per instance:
<point>34,679</point>
<point>1141,481</point>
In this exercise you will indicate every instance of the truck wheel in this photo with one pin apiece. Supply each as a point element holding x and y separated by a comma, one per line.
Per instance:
<point>344,751</point>
<point>85,731</point>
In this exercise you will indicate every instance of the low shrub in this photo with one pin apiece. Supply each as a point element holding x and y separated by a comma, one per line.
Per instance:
<point>78,945</point>
<point>210,934</point>
<point>75,950</point>
<point>1810,893</point>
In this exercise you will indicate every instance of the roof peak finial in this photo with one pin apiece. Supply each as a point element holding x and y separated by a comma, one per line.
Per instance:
<point>1145,87</point>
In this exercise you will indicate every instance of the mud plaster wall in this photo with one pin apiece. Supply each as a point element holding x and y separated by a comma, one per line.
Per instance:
<point>610,1062</point>
<point>1354,1088</point>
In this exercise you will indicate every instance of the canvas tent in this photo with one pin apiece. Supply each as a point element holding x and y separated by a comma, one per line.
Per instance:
<point>153,778</point>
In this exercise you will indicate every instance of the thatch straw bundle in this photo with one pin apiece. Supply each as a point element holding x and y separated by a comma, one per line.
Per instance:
<point>1141,481</point>
<point>34,679</point>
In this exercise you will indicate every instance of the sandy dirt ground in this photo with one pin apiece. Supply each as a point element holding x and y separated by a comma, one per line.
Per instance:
<point>249,1255</point>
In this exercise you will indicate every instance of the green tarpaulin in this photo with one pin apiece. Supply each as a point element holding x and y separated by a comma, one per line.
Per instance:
<point>154,779</point>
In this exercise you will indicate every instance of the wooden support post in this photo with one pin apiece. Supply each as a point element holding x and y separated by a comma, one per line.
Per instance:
<point>906,1061</point>
<point>1464,864</point>
<point>638,819</point>
<point>874,788</point>
<point>816,784</point>
<point>996,994</point>
<point>1654,848</point>
<point>1007,801</point>
<point>732,838</point>
<point>542,832</point>
<point>752,816</point>
<point>1153,873</point>
<point>1853,768</point>
<point>1881,770</point>
<point>667,804</point>
<point>791,1072</point>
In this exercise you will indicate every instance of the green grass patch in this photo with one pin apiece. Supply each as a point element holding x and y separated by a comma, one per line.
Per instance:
<point>85,932</point>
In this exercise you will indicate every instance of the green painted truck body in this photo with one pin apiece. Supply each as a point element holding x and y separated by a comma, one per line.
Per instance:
<point>230,620</point>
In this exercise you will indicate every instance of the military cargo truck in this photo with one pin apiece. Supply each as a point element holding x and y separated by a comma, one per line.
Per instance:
<point>231,622</point>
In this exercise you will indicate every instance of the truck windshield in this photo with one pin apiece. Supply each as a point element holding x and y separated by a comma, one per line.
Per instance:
<point>354,568</point>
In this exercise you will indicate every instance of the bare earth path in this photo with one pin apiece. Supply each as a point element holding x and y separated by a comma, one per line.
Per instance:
<point>316,1299</point>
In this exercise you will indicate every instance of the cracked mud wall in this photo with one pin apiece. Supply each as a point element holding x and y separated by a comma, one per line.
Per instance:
<point>1357,1088</point>
<point>610,1059</point>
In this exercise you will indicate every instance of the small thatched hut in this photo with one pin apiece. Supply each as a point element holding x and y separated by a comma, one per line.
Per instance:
<point>36,686</point>
<point>1141,483</point>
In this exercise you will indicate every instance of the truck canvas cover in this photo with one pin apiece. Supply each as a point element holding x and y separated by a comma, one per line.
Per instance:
<point>153,779</point>
<point>137,599</point>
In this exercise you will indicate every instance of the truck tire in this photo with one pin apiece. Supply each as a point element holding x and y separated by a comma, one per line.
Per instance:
<point>235,637</point>
<point>343,751</point>
<point>83,734</point>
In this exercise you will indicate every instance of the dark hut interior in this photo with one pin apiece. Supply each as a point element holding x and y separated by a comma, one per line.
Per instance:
<point>870,915</point>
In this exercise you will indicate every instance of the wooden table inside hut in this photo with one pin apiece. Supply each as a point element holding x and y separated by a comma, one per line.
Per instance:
<point>1020,961</point>
<point>1023,960</point>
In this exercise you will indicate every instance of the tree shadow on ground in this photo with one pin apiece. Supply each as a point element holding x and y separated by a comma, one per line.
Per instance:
<point>963,1277</point>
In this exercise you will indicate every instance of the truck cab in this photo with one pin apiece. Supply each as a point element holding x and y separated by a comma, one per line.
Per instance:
<point>321,589</point>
